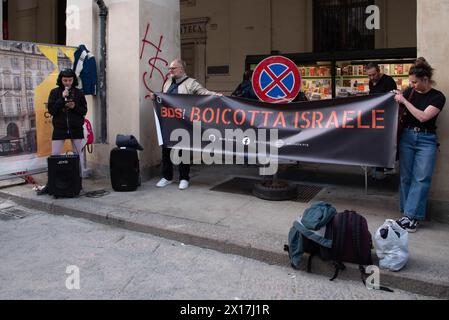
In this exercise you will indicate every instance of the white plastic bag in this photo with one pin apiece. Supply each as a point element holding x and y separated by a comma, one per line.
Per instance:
<point>393,250</point>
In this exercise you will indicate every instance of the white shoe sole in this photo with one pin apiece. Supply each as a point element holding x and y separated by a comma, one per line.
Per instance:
<point>163,186</point>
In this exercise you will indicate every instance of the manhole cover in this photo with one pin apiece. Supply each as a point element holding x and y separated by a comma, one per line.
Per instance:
<point>244,186</point>
<point>13,213</point>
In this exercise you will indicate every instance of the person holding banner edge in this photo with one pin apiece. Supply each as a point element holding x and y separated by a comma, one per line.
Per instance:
<point>68,107</point>
<point>418,143</point>
<point>178,83</point>
<point>380,83</point>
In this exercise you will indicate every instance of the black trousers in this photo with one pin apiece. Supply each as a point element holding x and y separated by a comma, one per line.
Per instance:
<point>167,166</point>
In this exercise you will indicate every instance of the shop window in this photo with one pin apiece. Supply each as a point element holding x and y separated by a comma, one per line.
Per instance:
<point>340,25</point>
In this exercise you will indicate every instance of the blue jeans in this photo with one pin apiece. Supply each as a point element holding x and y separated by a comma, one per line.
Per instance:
<point>417,161</point>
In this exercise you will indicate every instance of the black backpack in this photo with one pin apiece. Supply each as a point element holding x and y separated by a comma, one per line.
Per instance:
<point>351,242</point>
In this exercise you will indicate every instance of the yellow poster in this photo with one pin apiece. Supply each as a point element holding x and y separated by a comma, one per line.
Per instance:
<point>69,53</point>
<point>44,128</point>
<point>43,119</point>
<point>25,124</point>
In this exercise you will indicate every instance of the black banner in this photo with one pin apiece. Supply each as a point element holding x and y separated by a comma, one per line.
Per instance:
<point>349,131</point>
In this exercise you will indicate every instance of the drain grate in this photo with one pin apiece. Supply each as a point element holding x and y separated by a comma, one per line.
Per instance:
<point>306,193</point>
<point>13,214</point>
<point>244,186</point>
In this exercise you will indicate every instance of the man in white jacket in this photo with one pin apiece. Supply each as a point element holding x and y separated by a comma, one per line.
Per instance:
<point>179,83</point>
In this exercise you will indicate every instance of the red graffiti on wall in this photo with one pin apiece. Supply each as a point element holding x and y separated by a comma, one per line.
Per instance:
<point>152,61</point>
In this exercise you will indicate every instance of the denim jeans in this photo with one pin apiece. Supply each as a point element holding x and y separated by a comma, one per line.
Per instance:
<point>417,161</point>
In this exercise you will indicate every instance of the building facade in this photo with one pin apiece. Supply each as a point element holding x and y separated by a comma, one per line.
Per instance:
<point>22,69</point>
<point>216,36</point>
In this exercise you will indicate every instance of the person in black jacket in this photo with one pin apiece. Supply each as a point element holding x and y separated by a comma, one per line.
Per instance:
<point>68,107</point>
<point>245,88</point>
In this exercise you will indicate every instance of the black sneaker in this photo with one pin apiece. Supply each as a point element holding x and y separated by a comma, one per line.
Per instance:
<point>413,226</point>
<point>404,222</point>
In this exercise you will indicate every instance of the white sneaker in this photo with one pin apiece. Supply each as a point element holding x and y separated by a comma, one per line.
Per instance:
<point>184,184</point>
<point>163,183</point>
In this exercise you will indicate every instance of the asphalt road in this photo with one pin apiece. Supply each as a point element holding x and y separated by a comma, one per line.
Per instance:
<point>61,258</point>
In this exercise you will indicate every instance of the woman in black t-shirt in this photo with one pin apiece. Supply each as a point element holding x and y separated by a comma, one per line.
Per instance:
<point>419,143</point>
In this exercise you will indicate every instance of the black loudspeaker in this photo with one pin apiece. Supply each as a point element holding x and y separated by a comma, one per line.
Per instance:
<point>64,176</point>
<point>125,170</point>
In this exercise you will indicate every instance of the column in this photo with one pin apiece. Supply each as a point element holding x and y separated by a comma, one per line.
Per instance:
<point>433,44</point>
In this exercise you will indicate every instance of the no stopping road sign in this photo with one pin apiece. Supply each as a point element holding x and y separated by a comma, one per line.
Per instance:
<point>276,80</point>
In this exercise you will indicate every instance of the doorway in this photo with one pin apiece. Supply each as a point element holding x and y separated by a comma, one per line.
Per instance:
<point>61,31</point>
<point>193,47</point>
<point>5,19</point>
<point>188,55</point>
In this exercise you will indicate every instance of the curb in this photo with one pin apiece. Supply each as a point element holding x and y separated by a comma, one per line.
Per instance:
<point>261,247</point>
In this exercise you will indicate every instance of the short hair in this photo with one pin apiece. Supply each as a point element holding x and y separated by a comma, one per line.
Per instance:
<point>372,65</point>
<point>67,73</point>
<point>182,63</point>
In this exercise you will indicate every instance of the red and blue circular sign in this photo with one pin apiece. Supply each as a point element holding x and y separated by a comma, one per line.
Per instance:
<point>276,80</point>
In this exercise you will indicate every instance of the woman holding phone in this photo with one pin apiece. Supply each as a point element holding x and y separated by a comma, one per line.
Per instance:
<point>68,107</point>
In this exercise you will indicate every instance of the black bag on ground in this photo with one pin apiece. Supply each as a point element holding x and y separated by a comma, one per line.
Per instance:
<point>127,141</point>
<point>351,242</point>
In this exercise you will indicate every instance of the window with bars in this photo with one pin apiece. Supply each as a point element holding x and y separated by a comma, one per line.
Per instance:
<point>340,25</point>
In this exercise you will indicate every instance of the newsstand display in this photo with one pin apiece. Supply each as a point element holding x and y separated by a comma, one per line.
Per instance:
<point>343,74</point>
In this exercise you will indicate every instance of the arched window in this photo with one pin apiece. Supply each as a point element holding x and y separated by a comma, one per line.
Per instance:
<point>13,130</point>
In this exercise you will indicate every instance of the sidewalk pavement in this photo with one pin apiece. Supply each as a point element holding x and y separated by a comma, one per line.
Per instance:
<point>245,225</point>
